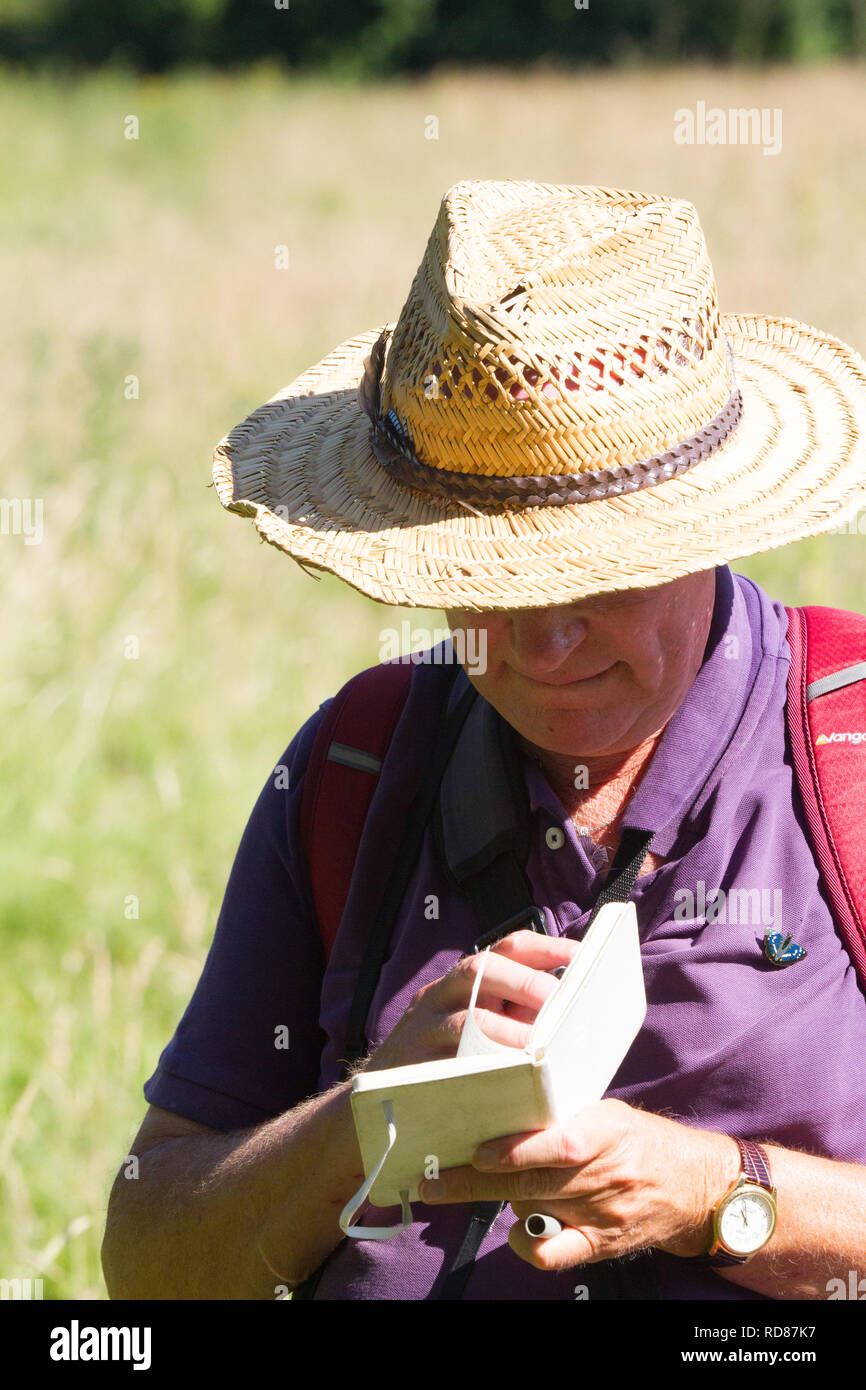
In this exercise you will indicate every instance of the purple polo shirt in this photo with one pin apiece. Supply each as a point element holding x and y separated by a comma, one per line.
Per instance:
<point>730,1043</point>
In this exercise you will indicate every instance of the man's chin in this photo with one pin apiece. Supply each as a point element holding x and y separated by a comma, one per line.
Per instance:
<point>562,720</point>
<point>567,734</point>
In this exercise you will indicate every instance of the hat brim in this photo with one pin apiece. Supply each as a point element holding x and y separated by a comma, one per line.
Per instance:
<point>302,467</point>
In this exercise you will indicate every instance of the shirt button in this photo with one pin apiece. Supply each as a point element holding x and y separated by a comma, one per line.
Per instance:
<point>554,837</point>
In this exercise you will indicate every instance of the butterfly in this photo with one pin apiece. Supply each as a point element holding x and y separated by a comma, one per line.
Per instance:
<point>781,950</point>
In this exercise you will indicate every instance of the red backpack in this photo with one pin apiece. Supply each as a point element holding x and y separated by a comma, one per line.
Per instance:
<point>827,727</point>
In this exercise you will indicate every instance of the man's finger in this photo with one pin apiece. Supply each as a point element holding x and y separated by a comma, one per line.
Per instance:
<point>503,1028</point>
<point>532,948</point>
<point>466,1184</point>
<point>503,979</point>
<point>570,1145</point>
<point>564,1251</point>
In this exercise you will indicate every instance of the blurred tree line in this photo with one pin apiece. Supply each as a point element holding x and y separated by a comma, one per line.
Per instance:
<point>379,37</point>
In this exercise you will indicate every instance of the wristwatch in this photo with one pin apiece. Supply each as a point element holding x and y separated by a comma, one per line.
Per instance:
<point>745,1218</point>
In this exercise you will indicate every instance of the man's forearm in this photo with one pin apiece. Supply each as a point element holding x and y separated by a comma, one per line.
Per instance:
<point>820,1233</point>
<point>233,1216</point>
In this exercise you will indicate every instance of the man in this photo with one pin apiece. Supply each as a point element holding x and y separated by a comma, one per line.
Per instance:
<point>561,444</point>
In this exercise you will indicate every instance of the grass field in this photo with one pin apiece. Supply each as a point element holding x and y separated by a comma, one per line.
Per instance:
<point>157,658</point>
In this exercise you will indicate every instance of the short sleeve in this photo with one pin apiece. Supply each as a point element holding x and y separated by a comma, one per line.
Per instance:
<point>249,1044</point>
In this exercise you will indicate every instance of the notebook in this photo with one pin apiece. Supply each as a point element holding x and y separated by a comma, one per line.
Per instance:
<point>415,1120</point>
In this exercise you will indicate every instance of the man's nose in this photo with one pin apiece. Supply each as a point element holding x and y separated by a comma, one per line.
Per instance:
<point>542,639</point>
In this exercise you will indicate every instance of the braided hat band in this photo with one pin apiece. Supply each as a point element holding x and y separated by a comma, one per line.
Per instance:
<point>554,331</point>
<point>393,448</point>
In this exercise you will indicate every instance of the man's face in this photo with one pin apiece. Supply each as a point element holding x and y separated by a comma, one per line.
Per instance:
<point>598,676</point>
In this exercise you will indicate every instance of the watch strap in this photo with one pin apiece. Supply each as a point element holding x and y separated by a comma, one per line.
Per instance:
<point>756,1165</point>
<point>719,1261</point>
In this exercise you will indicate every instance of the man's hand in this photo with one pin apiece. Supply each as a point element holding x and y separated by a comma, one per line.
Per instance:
<point>515,985</point>
<point>617,1178</point>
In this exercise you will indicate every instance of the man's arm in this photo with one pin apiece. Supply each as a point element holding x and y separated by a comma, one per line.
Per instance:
<point>231,1216</point>
<point>821,1229</point>
<point>622,1179</point>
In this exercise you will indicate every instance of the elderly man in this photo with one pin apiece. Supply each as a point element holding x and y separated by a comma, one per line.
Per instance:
<point>561,444</point>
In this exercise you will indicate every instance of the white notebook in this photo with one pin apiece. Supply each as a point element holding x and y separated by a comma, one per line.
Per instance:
<point>410,1119</point>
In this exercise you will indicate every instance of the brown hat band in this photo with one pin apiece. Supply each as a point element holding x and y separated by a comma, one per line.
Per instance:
<point>393,448</point>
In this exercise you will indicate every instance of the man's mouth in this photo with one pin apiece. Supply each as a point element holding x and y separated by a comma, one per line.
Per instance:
<point>571,679</point>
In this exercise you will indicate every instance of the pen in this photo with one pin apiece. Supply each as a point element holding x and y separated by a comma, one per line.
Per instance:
<point>541,1226</point>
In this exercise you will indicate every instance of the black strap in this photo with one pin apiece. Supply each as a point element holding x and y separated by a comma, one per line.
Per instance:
<point>482,827</point>
<point>501,900</point>
<point>625,868</point>
<point>482,1217</point>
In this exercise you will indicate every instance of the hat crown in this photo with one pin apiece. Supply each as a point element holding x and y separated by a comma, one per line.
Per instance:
<point>556,329</point>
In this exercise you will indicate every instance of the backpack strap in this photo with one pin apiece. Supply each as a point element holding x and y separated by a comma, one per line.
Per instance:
<point>347,754</point>
<point>826,711</point>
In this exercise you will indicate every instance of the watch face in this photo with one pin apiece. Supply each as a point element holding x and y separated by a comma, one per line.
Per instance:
<point>747,1221</point>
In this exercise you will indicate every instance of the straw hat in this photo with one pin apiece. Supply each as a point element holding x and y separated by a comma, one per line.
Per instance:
<point>559,410</point>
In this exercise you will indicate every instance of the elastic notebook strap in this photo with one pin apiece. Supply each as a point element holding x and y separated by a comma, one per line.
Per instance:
<point>354,1204</point>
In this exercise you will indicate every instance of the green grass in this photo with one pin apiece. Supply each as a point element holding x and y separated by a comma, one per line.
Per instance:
<point>131,777</point>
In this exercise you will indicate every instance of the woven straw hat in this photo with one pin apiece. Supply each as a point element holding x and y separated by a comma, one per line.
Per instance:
<point>559,410</point>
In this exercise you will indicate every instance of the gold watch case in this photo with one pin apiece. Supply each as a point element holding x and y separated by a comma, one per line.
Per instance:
<point>743,1197</point>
